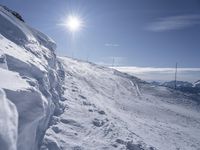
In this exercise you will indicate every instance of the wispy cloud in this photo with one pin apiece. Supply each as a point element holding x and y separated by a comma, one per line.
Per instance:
<point>141,70</point>
<point>162,74</point>
<point>111,61</point>
<point>111,45</point>
<point>174,23</point>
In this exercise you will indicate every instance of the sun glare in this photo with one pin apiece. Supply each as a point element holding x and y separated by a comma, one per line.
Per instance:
<point>73,23</point>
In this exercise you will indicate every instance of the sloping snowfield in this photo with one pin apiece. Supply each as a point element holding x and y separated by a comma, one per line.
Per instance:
<point>51,103</point>
<point>106,109</point>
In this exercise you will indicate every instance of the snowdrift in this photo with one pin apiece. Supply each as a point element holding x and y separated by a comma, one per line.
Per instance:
<point>30,83</point>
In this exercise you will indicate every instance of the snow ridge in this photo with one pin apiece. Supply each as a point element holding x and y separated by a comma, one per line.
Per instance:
<point>31,78</point>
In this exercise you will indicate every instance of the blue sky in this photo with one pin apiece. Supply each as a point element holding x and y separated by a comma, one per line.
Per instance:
<point>143,33</point>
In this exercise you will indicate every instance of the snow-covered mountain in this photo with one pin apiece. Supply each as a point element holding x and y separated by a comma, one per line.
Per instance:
<point>197,84</point>
<point>183,86</point>
<point>59,103</point>
<point>179,84</point>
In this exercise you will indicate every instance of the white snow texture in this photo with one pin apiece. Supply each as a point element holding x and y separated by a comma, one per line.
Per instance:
<point>55,103</point>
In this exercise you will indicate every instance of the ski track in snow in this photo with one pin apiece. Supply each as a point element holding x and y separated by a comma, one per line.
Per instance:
<point>137,89</point>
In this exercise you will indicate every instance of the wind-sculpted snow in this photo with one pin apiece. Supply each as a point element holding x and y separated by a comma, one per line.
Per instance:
<point>107,109</point>
<point>8,123</point>
<point>13,29</point>
<point>31,80</point>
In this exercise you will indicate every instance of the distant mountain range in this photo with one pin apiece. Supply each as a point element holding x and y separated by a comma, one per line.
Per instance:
<point>197,84</point>
<point>183,86</point>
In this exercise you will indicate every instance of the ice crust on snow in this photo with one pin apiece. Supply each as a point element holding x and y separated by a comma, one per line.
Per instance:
<point>59,103</point>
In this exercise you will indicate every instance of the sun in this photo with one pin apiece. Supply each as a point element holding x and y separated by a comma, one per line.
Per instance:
<point>73,23</point>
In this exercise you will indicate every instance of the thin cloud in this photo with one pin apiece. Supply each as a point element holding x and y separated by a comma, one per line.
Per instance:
<point>140,70</point>
<point>174,23</point>
<point>111,61</point>
<point>162,74</point>
<point>111,45</point>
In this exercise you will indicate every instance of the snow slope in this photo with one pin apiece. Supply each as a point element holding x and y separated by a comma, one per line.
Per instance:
<point>106,109</point>
<point>30,84</point>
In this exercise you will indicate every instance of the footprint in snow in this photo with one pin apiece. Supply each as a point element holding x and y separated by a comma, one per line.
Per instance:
<point>70,122</point>
<point>56,129</point>
<point>83,97</point>
<point>101,112</point>
<point>98,123</point>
